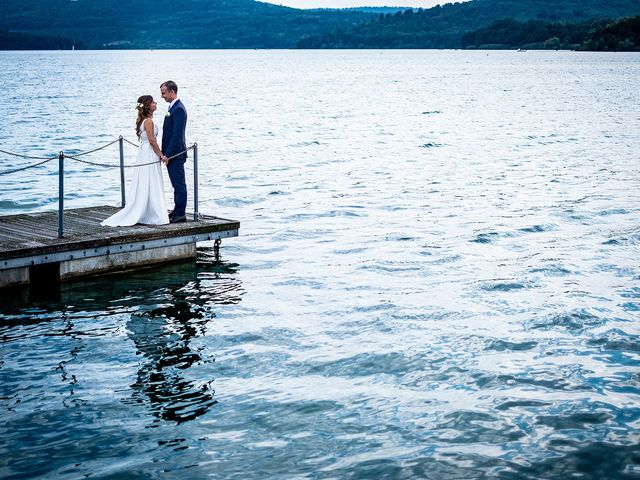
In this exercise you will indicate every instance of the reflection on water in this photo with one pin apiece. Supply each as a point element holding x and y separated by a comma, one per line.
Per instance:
<point>168,306</point>
<point>164,341</point>
<point>163,335</point>
<point>73,367</point>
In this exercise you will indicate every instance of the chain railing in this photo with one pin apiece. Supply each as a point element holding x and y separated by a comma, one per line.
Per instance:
<point>121,165</point>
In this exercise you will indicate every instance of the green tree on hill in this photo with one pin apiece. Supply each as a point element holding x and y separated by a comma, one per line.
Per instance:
<point>623,35</point>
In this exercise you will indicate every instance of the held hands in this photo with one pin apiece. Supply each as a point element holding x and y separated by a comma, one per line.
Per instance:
<point>164,159</point>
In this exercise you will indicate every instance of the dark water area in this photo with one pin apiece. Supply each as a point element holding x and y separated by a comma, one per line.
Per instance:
<point>436,276</point>
<point>130,376</point>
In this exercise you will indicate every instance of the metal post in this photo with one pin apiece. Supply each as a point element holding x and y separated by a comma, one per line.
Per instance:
<point>122,171</point>
<point>60,194</point>
<point>196,215</point>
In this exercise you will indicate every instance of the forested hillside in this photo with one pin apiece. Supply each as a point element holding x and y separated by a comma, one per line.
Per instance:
<point>444,26</point>
<point>171,24</point>
<point>158,24</point>
<point>26,41</point>
<point>602,34</point>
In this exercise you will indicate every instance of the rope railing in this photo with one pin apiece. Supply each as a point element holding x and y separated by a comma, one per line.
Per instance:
<point>74,157</point>
<point>34,165</point>
<point>113,165</point>
<point>80,154</point>
<point>130,143</point>
<point>96,149</point>
<point>87,162</point>
<point>25,156</point>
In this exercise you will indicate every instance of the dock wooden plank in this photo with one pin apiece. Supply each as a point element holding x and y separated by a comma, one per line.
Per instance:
<point>37,233</point>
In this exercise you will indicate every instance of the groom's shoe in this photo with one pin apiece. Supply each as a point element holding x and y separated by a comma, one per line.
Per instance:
<point>180,219</point>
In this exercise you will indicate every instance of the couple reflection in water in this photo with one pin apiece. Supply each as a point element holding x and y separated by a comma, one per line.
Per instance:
<point>163,336</point>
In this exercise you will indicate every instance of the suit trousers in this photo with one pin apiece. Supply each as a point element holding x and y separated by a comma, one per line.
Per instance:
<point>179,184</point>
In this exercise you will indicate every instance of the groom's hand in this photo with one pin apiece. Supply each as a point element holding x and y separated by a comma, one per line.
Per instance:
<point>164,159</point>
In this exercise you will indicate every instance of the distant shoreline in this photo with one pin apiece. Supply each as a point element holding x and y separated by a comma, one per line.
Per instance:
<point>596,35</point>
<point>518,50</point>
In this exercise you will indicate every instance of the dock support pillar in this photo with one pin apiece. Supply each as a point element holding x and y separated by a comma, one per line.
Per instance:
<point>196,215</point>
<point>60,194</point>
<point>120,140</point>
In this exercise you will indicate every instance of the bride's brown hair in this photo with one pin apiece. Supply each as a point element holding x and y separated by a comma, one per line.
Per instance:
<point>144,111</point>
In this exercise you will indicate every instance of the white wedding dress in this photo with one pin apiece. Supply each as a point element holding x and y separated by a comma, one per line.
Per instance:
<point>145,201</point>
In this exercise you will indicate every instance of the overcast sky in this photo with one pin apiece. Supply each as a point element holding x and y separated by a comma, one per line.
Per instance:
<point>357,3</point>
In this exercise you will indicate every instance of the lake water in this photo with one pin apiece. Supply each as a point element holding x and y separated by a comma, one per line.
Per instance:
<point>437,272</point>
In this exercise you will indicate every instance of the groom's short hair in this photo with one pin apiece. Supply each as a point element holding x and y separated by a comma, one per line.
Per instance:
<point>171,86</point>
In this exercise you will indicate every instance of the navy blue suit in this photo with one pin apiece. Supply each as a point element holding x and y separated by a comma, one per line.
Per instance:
<point>174,142</point>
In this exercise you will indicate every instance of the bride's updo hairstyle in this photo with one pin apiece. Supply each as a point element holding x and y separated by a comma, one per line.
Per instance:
<point>144,111</point>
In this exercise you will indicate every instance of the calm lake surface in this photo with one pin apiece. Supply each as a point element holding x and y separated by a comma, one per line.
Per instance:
<point>437,274</point>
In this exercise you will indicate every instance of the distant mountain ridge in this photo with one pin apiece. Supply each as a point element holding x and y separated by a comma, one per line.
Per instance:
<point>160,24</point>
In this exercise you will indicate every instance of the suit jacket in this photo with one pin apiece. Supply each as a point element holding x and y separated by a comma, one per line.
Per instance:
<point>173,131</point>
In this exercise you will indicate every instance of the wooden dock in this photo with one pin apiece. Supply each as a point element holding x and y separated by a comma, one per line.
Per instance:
<point>31,252</point>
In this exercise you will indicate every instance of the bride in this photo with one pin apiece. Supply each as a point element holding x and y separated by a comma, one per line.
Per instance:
<point>145,199</point>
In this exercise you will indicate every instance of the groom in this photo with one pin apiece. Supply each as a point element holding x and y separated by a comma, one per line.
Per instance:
<point>173,142</point>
